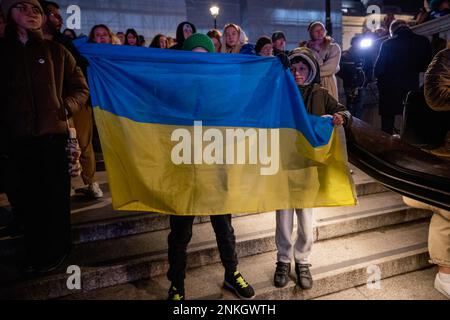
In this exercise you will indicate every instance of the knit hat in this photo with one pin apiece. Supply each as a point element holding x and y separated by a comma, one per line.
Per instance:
<point>306,56</point>
<point>278,35</point>
<point>315,23</point>
<point>198,40</point>
<point>8,4</point>
<point>261,43</point>
<point>434,4</point>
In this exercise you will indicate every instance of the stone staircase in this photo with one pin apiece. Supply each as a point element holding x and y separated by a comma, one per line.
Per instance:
<point>123,255</point>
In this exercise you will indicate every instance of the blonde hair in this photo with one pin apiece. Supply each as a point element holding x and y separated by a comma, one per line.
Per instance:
<point>92,33</point>
<point>115,40</point>
<point>238,46</point>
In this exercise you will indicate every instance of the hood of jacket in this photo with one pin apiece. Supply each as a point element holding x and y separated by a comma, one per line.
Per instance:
<point>33,35</point>
<point>305,55</point>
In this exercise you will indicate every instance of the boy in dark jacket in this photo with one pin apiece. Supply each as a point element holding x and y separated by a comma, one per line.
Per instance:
<point>181,228</point>
<point>318,101</point>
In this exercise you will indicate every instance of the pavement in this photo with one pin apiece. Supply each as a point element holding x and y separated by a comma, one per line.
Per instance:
<point>417,285</point>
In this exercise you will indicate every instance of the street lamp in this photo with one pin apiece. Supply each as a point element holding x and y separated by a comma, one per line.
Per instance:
<point>214,12</point>
<point>328,24</point>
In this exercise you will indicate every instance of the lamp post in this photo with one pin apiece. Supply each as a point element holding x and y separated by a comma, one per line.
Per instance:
<point>328,24</point>
<point>214,12</point>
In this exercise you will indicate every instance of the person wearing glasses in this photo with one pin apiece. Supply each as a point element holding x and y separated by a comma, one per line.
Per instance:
<point>83,120</point>
<point>264,47</point>
<point>41,86</point>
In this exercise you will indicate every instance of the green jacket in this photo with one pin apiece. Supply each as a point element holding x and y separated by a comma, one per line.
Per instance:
<point>319,102</point>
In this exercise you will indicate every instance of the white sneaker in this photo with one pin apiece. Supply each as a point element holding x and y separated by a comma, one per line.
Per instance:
<point>442,287</point>
<point>94,190</point>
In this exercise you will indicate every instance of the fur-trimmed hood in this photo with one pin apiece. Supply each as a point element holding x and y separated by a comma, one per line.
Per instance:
<point>306,56</point>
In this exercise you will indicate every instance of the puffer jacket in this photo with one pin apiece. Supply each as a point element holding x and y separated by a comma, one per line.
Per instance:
<point>39,82</point>
<point>437,82</point>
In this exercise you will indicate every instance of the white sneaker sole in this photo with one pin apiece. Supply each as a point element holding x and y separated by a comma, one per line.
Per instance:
<point>438,287</point>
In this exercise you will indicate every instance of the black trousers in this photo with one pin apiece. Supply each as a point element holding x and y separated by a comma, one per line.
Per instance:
<point>38,178</point>
<point>180,235</point>
<point>387,123</point>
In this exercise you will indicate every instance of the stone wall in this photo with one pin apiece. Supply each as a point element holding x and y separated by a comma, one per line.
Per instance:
<point>258,17</point>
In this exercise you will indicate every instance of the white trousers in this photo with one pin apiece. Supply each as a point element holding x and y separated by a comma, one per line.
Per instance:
<point>302,247</point>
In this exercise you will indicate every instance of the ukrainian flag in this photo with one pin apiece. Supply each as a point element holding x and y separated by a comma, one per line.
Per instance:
<point>148,104</point>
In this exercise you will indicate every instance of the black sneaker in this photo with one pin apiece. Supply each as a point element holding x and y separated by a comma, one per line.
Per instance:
<point>38,270</point>
<point>176,294</point>
<point>281,277</point>
<point>12,230</point>
<point>236,283</point>
<point>304,277</point>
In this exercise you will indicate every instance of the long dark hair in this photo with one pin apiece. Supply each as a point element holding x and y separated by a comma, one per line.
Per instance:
<point>180,34</point>
<point>74,35</point>
<point>134,33</point>
<point>155,41</point>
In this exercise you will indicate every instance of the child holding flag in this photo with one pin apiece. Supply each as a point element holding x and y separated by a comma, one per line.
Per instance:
<point>318,101</point>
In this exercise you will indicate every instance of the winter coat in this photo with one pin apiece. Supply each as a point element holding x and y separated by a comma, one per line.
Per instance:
<point>328,58</point>
<point>39,82</point>
<point>248,48</point>
<point>319,102</point>
<point>67,43</point>
<point>399,63</point>
<point>277,52</point>
<point>437,82</point>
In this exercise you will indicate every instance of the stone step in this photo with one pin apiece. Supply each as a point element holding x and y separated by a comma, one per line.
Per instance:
<point>99,221</point>
<point>121,260</point>
<point>96,220</point>
<point>337,264</point>
<point>395,288</point>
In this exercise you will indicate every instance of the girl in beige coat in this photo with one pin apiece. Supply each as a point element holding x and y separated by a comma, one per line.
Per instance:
<point>327,53</point>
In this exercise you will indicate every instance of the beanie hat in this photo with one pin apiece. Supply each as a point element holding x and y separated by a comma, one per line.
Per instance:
<point>261,43</point>
<point>315,23</point>
<point>198,40</point>
<point>434,4</point>
<point>306,56</point>
<point>8,4</point>
<point>278,35</point>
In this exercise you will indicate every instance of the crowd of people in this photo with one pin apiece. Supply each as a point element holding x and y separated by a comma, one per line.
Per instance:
<point>43,91</point>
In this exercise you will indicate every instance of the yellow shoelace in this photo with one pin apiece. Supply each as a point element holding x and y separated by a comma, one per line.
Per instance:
<point>241,281</point>
<point>177,297</point>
